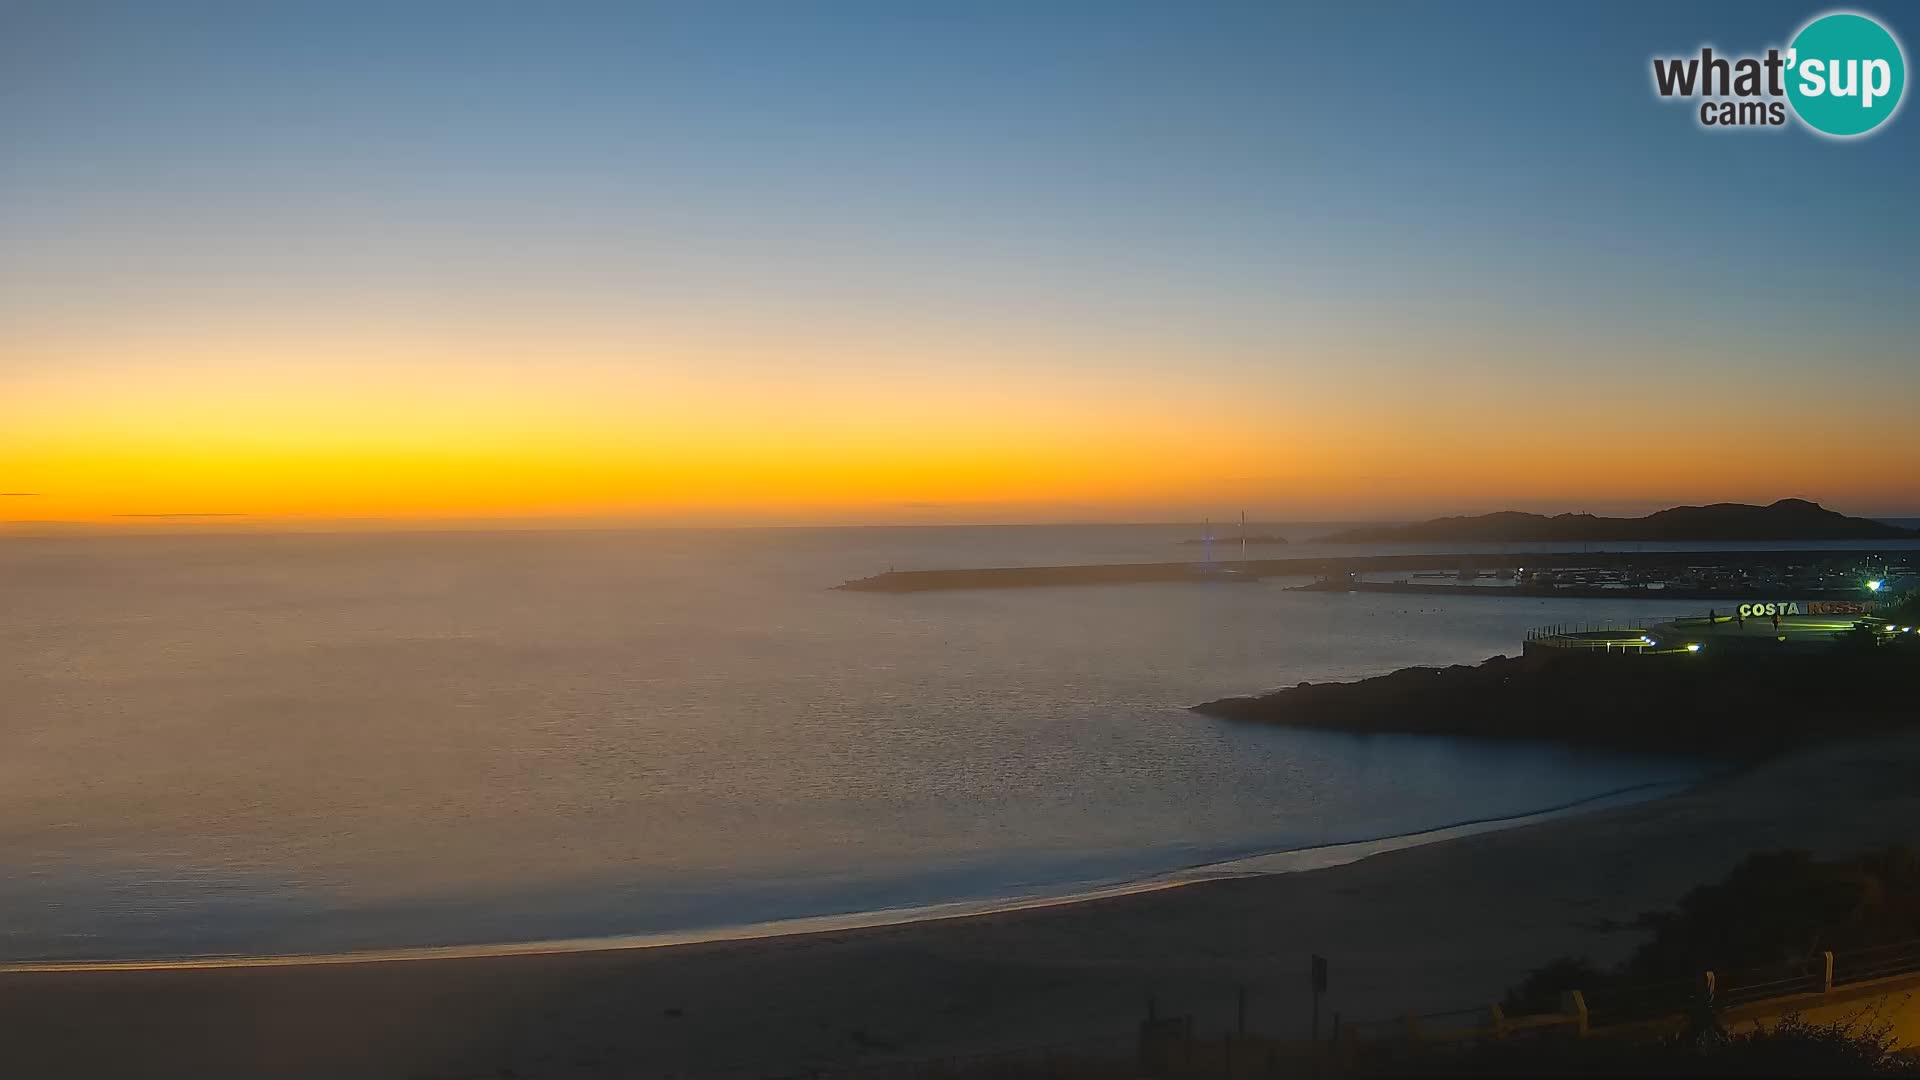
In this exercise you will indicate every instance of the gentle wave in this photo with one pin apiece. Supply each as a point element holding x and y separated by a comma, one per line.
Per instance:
<point>1293,860</point>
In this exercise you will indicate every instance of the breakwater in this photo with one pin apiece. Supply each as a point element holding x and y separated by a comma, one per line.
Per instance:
<point>1021,577</point>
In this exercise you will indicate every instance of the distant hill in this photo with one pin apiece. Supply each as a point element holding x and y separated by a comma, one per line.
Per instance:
<point>1788,519</point>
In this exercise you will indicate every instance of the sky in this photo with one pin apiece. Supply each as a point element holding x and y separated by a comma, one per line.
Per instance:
<point>787,263</point>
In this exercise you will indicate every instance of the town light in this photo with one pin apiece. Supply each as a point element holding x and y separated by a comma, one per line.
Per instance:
<point>1693,647</point>
<point>1874,585</point>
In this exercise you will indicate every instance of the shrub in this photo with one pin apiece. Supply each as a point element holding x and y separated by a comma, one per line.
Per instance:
<point>1790,1048</point>
<point>1776,911</point>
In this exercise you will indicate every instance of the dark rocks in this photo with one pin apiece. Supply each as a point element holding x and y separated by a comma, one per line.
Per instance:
<point>1732,706</point>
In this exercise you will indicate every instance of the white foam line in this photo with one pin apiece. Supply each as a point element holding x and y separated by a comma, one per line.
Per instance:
<point>1293,860</point>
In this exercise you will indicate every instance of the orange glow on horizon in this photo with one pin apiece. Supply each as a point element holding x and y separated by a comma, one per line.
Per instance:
<point>785,432</point>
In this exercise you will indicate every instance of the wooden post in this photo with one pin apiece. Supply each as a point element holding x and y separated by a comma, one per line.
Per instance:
<point>1497,1020</point>
<point>1241,1026</point>
<point>1317,976</point>
<point>1826,968</point>
<point>1706,986</point>
<point>1574,1004</point>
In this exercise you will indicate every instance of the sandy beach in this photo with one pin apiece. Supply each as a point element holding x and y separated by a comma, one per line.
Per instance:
<point>1437,926</point>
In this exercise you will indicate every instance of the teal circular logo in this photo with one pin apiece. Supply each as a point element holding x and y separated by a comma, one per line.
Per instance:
<point>1845,73</point>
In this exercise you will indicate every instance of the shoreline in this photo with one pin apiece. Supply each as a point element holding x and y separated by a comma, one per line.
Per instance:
<point>1431,927</point>
<point>1255,865</point>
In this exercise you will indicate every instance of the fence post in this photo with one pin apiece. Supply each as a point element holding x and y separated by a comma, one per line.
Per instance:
<point>1574,1004</point>
<point>1826,969</point>
<point>1706,986</point>
<point>1497,1020</point>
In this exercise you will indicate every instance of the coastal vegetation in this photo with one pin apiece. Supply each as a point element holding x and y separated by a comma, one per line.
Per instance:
<point>1774,914</point>
<point>1734,705</point>
<point>1775,911</point>
<point>1791,1048</point>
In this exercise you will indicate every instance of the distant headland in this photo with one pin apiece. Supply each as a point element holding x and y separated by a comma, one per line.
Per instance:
<point>1740,705</point>
<point>1788,519</point>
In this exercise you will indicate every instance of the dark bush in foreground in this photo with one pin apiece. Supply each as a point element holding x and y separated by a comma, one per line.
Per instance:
<point>1540,992</point>
<point>1781,907</point>
<point>1792,1048</point>
<point>1775,913</point>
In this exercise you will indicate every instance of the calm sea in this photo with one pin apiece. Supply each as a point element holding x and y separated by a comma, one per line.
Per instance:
<point>291,743</point>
